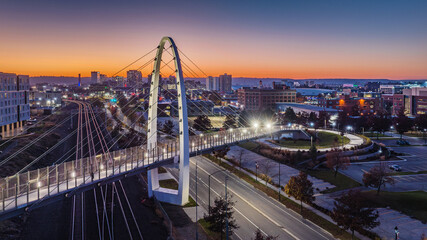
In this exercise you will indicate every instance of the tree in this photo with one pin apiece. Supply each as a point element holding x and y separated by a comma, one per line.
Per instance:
<point>323,119</point>
<point>266,168</point>
<point>342,120</point>
<point>230,122</point>
<point>336,161</point>
<point>220,153</point>
<point>290,115</point>
<point>402,123</point>
<point>378,176</point>
<point>313,153</point>
<point>260,236</point>
<point>421,122</point>
<point>202,123</point>
<point>300,188</point>
<point>168,127</point>
<point>379,123</point>
<point>219,213</point>
<point>238,156</point>
<point>351,212</point>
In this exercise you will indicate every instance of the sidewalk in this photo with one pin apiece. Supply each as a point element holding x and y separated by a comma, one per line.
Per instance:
<point>354,141</point>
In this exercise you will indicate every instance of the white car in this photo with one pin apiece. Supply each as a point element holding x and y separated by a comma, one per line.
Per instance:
<point>395,167</point>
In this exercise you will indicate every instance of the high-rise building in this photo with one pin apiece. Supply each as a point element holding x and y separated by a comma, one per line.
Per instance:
<point>80,81</point>
<point>225,82</point>
<point>14,102</point>
<point>95,77</point>
<point>134,78</point>
<point>212,83</point>
<point>103,78</point>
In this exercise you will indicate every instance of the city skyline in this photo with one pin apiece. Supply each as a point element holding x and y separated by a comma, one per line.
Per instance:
<point>280,39</point>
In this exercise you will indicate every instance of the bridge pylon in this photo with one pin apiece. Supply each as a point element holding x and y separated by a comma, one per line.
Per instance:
<point>180,196</point>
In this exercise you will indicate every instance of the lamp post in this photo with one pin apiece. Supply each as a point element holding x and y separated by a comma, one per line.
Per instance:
<point>280,187</point>
<point>425,136</point>
<point>209,184</point>
<point>226,211</point>
<point>256,171</point>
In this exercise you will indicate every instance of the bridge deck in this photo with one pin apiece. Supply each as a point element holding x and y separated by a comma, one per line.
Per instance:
<point>24,189</point>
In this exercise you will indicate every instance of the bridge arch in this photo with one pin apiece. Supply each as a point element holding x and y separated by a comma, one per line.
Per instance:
<point>179,197</point>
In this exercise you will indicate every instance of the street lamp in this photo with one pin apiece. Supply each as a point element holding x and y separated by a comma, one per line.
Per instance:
<point>256,171</point>
<point>311,124</point>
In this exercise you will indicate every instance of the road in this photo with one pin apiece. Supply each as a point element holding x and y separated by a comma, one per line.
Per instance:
<point>253,209</point>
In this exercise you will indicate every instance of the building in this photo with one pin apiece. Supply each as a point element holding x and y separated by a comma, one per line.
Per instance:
<point>134,78</point>
<point>305,108</point>
<point>366,106</point>
<point>415,100</point>
<point>394,102</point>
<point>103,78</point>
<point>212,83</point>
<point>95,77</point>
<point>258,99</point>
<point>225,82</point>
<point>391,89</point>
<point>46,99</point>
<point>14,102</point>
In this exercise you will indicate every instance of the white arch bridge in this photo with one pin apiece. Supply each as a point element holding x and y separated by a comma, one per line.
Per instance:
<point>32,189</point>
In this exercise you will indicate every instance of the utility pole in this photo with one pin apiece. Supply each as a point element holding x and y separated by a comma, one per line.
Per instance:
<point>226,209</point>
<point>280,187</point>
<point>197,228</point>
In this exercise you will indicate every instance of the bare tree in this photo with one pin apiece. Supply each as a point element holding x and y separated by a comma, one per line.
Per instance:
<point>336,161</point>
<point>378,176</point>
<point>238,156</point>
<point>266,168</point>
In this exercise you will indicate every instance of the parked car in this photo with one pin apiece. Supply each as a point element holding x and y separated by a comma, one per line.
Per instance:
<point>395,167</point>
<point>402,142</point>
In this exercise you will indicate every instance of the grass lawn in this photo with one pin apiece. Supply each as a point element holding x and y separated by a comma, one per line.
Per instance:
<point>406,173</point>
<point>414,134</point>
<point>216,121</point>
<point>325,140</point>
<point>409,203</point>
<point>172,184</point>
<point>248,145</point>
<point>169,183</point>
<point>212,235</point>
<point>341,182</point>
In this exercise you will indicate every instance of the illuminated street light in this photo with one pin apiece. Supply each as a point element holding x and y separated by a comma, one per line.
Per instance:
<point>311,124</point>
<point>73,174</point>
<point>268,125</point>
<point>255,125</point>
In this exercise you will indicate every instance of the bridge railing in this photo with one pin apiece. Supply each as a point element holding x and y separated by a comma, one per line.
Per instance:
<point>22,188</point>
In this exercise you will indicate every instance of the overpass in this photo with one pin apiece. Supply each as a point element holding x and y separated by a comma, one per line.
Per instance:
<point>29,190</point>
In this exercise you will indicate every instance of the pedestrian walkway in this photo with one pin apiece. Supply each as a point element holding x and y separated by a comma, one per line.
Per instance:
<point>354,142</point>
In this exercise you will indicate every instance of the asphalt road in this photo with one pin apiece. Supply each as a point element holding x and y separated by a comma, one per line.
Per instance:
<point>253,209</point>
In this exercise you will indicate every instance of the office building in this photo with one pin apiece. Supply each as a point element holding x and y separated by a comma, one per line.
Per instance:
<point>95,77</point>
<point>212,83</point>
<point>134,78</point>
<point>14,102</point>
<point>225,82</point>
<point>257,99</point>
<point>415,100</point>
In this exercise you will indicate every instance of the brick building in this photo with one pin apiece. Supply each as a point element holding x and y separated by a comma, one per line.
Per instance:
<point>258,99</point>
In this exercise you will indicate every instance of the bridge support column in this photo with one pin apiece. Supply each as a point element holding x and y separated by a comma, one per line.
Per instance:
<point>180,196</point>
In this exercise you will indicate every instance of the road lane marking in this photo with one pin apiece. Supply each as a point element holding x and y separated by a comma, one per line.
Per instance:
<point>254,207</point>
<point>273,203</point>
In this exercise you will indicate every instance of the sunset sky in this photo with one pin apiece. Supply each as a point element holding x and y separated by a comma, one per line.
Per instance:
<point>263,38</point>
